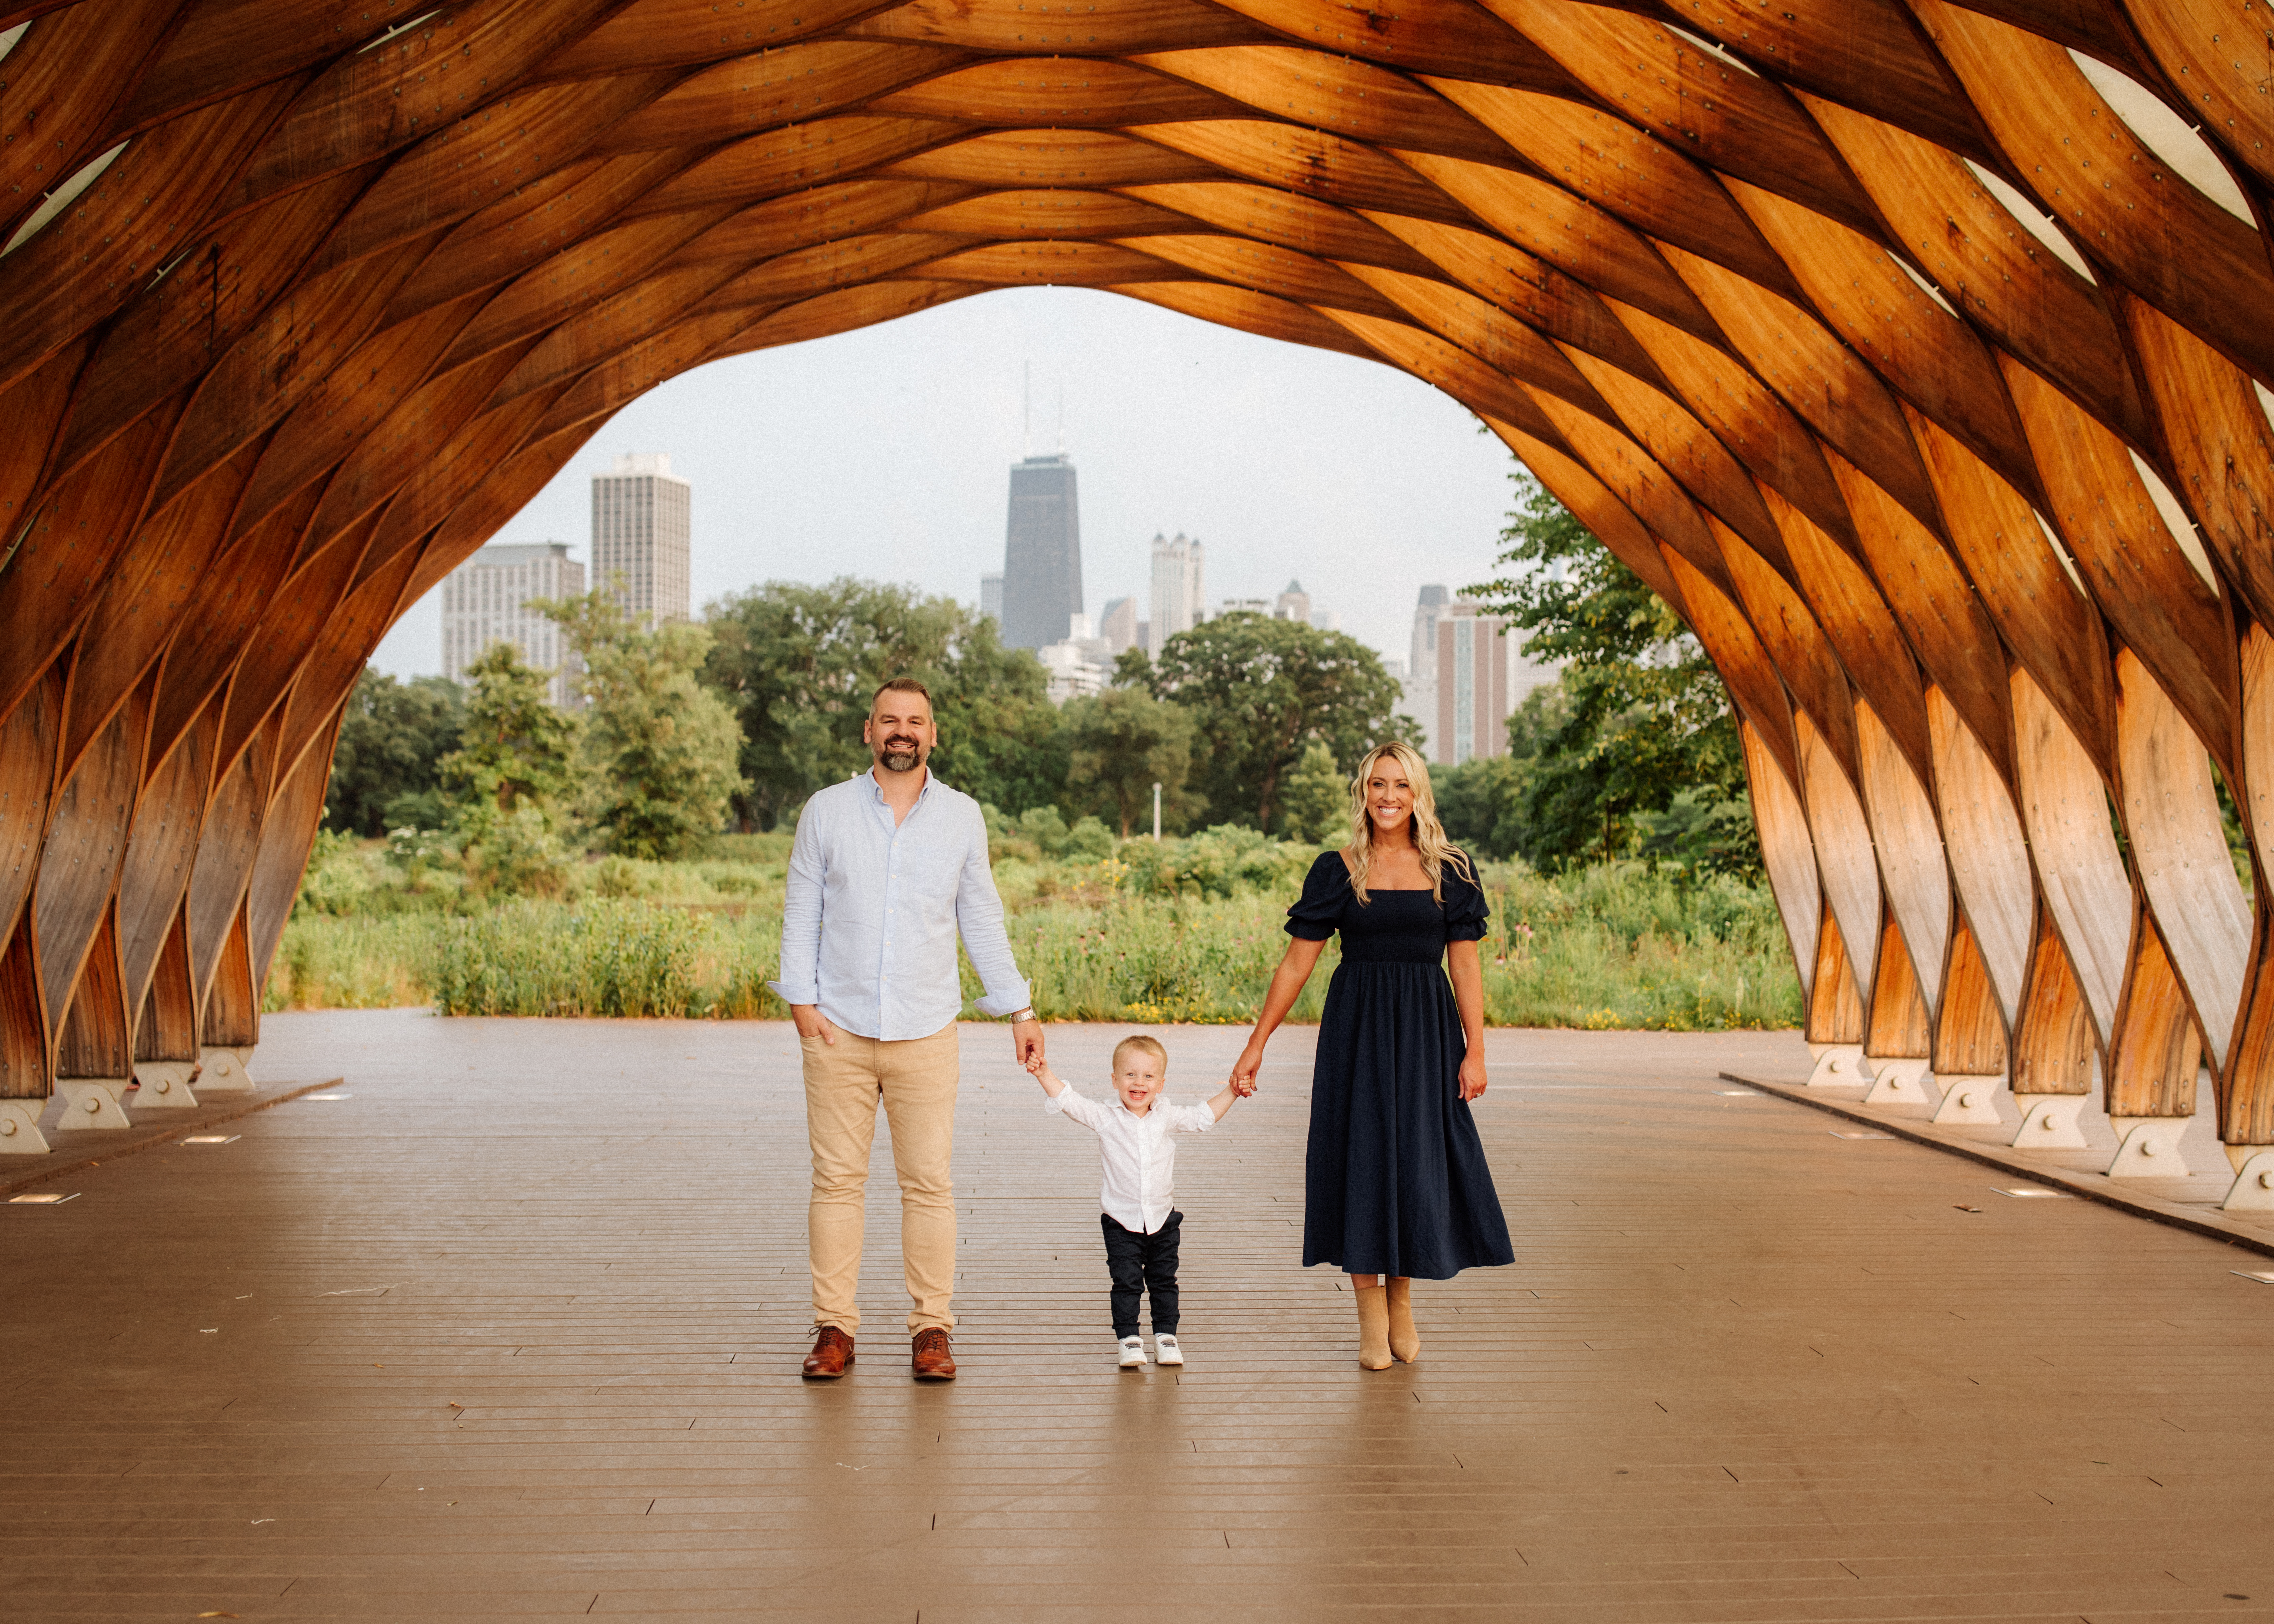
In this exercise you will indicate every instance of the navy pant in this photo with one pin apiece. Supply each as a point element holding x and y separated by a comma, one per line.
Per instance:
<point>1139,1263</point>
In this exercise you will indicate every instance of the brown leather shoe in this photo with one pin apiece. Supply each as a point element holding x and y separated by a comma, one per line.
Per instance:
<point>831,1356</point>
<point>928,1356</point>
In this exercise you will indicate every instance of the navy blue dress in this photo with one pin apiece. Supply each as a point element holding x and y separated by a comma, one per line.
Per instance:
<point>1395,1177</point>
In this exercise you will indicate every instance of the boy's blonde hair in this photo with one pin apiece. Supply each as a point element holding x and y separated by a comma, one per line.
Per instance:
<point>1149,1045</point>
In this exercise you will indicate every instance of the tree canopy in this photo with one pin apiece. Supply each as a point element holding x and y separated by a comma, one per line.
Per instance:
<point>1639,753</point>
<point>661,748</point>
<point>1262,691</point>
<point>514,747</point>
<point>392,736</point>
<point>1122,743</point>
<point>799,664</point>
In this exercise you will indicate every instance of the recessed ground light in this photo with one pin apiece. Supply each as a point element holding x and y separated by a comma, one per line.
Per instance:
<point>328,1096</point>
<point>2033,1191</point>
<point>1738,1093</point>
<point>1859,1133</point>
<point>212,1138</point>
<point>2265,1277</point>
<point>41,1200</point>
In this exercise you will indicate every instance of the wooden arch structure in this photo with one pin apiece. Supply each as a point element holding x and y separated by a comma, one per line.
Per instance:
<point>1917,352</point>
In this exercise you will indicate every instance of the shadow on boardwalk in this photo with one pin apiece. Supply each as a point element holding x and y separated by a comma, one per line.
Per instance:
<point>514,1329</point>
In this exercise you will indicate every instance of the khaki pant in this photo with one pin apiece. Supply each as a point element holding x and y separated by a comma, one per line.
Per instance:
<point>915,1078</point>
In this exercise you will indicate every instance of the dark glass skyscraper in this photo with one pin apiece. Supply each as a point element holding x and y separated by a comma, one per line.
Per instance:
<point>1041,553</point>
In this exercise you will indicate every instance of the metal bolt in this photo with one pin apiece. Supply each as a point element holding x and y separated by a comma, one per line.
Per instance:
<point>8,1131</point>
<point>2148,1148</point>
<point>2046,1123</point>
<point>1967,1100</point>
<point>165,1085</point>
<point>94,1105</point>
<point>2265,1180</point>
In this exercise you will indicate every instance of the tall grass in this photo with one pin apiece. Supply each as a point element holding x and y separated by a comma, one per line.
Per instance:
<point>1187,932</point>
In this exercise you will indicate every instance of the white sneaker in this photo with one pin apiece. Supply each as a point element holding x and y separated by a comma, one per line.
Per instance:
<point>1132,1352</point>
<point>1166,1351</point>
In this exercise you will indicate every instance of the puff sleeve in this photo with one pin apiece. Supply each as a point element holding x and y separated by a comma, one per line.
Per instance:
<point>1318,913</point>
<point>1465,908</point>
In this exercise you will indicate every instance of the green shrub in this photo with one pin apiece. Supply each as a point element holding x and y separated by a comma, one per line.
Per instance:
<point>605,957</point>
<point>1187,929</point>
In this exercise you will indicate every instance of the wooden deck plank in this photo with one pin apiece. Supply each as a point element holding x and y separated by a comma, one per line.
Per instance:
<point>515,1329</point>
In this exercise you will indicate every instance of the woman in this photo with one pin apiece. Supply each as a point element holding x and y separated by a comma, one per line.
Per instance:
<point>1395,1183</point>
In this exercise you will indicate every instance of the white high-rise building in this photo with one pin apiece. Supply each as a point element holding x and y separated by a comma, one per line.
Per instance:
<point>1077,664</point>
<point>640,536</point>
<point>485,599</point>
<point>990,598</point>
<point>1179,592</point>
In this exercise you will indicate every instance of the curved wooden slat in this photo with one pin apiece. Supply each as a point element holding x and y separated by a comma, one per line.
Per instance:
<point>2179,851</point>
<point>1989,856</point>
<point>2065,809</point>
<point>1787,854</point>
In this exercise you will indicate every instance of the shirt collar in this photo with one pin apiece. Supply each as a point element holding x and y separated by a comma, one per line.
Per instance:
<point>877,790</point>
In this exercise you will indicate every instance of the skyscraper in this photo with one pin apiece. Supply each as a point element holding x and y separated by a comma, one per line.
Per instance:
<point>640,536</point>
<point>1294,605</point>
<point>484,600</point>
<point>1179,593</point>
<point>990,598</point>
<point>1470,673</point>
<point>1041,553</point>
<point>1421,665</point>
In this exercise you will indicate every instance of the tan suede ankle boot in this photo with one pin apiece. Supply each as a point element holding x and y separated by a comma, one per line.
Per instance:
<point>1404,1340</point>
<point>1372,1326</point>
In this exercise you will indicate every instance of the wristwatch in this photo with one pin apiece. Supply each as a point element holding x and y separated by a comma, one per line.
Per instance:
<point>1026,1014</point>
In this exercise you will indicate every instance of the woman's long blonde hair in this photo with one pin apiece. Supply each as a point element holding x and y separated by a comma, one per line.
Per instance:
<point>1437,853</point>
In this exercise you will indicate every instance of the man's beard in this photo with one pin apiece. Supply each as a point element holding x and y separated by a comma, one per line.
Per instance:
<point>899,755</point>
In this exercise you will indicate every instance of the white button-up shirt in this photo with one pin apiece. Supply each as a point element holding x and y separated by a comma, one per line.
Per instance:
<point>1140,1155</point>
<point>872,910</point>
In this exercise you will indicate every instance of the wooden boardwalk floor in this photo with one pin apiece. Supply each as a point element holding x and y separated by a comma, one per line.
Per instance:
<point>514,1330</point>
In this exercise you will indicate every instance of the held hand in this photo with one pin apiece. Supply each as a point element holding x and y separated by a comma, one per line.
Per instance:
<point>1027,1043</point>
<point>811,1022</point>
<point>1472,1075</point>
<point>1244,1070</point>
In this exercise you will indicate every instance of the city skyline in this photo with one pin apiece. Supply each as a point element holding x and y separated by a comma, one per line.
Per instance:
<point>1291,463</point>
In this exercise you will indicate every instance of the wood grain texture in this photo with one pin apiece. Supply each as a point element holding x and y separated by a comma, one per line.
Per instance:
<point>2180,853</point>
<point>1788,854</point>
<point>1874,336</point>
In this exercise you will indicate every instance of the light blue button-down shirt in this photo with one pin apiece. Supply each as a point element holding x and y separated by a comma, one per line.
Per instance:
<point>872,911</point>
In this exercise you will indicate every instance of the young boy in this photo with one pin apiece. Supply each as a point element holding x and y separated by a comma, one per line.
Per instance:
<point>1140,1223</point>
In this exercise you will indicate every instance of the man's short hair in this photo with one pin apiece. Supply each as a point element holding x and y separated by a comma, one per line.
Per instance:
<point>1145,1043</point>
<point>900,685</point>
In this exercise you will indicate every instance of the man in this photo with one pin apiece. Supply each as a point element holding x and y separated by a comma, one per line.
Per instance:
<point>885,870</point>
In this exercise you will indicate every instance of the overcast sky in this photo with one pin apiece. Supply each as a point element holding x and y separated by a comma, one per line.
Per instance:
<point>885,454</point>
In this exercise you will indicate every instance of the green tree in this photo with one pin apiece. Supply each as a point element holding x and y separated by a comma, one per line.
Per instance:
<point>1122,741</point>
<point>1481,802</point>
<point>1317,799</point>
<point>800,663</point>
<point>392,738</point>
<point>509,781</point>
<point>514,746</point>
<point>1643,716</point>
<point>660,749</point>
<point>1261,692</point>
